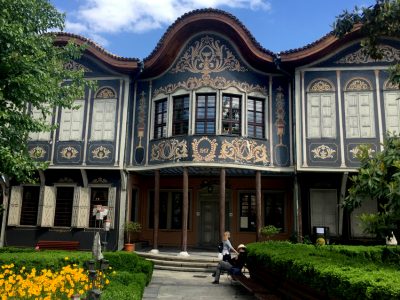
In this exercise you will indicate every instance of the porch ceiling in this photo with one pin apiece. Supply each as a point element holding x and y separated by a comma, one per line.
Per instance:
<point>204,171</point>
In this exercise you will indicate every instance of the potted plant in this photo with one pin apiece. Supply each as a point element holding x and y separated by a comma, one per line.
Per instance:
<point>269,231</point>
<point>130,229</point>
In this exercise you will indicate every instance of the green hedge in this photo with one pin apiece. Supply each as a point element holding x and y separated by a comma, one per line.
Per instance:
<point>133,273</point>
<point>344,272</point>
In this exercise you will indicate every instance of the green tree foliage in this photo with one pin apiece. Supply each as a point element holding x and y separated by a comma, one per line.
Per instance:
<point>378,178</point>
<point>381,19</point>
<point>32,75</point>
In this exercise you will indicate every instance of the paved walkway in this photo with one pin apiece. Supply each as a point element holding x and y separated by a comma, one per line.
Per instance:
<point>190,285</point>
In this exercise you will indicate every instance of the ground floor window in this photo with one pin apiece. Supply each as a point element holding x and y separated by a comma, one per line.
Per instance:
<point>30,202</point>
<point>98,196</point>
<point>247,209</point>
<point>170,210</point>
<point>324,209</point>
<point>274,204</point>
<point>63,211</point>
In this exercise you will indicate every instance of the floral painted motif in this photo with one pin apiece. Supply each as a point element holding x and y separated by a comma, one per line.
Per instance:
<point>173,150</point>
<point>242,150</point>
<point>101,152</point>
<point>208,56</point>
<point>323,152</point>
<point>69,152</point>
<point>390,54</point>
<point>37,152</point>
<point>204,149</point>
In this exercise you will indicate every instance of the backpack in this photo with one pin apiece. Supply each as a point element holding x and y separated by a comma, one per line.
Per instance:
<point>220,247</point>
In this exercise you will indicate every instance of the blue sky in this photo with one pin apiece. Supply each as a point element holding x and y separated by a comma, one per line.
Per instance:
<point>132,28</point>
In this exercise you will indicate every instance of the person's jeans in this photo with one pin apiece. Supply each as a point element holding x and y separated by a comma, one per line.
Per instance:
<point>222,266</point>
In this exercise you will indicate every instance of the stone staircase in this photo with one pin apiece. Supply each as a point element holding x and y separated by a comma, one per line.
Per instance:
<point>195,262</point>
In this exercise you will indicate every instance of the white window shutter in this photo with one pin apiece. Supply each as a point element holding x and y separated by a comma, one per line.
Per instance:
<point>14,214</point>
<point>392,111</point>
<point>328,116</point>
<point>112,193</point>
<point>314,116</point>
<point>48,207</point>
<point>80,210</point>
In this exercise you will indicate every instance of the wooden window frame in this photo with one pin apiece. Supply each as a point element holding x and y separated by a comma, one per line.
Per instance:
<point>207,118</point>
<point>254,112</point>
<point>179,123</point>
<point>229,119</point>
<point>164,118</point>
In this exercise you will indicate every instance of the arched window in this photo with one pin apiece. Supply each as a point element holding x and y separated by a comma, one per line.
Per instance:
<point>104,113</point>
<point>359,109</point>
<point>321,110</point>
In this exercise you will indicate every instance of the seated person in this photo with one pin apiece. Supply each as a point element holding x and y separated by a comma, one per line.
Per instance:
<point>236,262</point>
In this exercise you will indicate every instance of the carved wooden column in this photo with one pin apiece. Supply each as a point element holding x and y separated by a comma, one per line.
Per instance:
<point>185,212</point>
<point>156,210</point>
<point>222,203</point>
<point>258,204</point>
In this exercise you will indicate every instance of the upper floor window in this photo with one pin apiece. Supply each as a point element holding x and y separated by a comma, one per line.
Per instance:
<point>205,113</point>
<point>231,114</point>
<point>321,110</point>
<point>104,113</point>
<point>359,109</point>
<point>43,135</point>
<point>71,124</point>
<point>180,123</point>
<point>160,119</point>
<point>255,118</point>
<point>391,96</point>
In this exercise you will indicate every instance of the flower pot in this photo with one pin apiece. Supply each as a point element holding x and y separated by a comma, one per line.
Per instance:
<point>129,247</point>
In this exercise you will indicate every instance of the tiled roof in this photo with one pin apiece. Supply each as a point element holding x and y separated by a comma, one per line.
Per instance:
<point>95,45</point>
<point>207,11</point>
<point>310,45</point>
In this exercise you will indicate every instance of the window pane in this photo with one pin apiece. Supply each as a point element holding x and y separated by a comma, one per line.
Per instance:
<point>274,210</point>
<point>30,203</point>
<point>64,201</point>
<point>247,212</point>
<point>99,196</point>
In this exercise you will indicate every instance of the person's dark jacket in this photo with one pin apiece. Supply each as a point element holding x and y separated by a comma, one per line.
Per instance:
<point>239,261</point>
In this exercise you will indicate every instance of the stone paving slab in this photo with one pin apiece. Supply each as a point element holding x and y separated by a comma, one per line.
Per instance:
<point>192,285</point>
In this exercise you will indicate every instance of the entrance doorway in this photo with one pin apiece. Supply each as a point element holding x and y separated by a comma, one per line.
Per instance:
<point>209,217</point>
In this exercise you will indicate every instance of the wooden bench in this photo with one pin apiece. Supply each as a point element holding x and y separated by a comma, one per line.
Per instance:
<point>254,287</point>
<point>58,245</point>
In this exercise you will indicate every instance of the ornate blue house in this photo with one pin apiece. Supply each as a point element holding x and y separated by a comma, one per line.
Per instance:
<point>211,132</point>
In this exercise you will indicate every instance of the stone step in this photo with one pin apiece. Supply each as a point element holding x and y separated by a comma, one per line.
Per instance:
<point>186,264</point>
<point>205,259</point>
<point>182,269</point>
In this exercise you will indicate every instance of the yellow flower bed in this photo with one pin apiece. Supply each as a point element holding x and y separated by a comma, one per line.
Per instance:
<point>46,284</point>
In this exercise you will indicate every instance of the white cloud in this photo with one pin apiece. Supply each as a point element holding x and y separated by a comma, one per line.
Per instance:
<point>96,17</point>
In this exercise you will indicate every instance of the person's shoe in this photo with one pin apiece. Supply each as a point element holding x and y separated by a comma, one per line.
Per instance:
<point>213,274</point>
<point>215,282</point>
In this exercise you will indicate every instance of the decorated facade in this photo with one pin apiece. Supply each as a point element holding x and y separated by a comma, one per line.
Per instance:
<point>211,132</point>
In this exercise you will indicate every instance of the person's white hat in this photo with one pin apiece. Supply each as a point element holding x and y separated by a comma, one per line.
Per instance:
<point>241,246</point>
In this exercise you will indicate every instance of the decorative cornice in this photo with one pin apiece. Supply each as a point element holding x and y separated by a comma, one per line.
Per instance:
<point>106,93</point>
<point>207,56</point>
<point>218,82</point>
<point>390,54</point>
<point>320,86</point>
<point>358,84</point>
<point>74,66</point>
